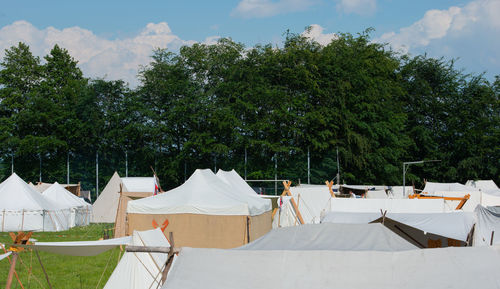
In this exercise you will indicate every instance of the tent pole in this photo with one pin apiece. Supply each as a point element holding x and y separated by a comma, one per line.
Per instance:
<point>67,169</point>
<point>275,175</point>
<point>12,163</point>
<point>126,164</point>
<point>308,166</point>
<point>11,270</point>
<point>97,174</point>
<point>40,156</point>
<point>245,163</point>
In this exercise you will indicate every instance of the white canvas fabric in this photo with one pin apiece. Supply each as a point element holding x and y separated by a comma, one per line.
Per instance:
<point>396,192</point>
<point>238,185</point>
<point>140,270</point>
<point>364,187</point>
<point>105,207</point>
<point>139,184</point>
<point>80,210</point>
<point>483,185</point>
<point>202,193</point>
<point>453,267</point>
<point>391,205</point>
<point>431,188</point>
<point>312,201</point>
<point>24,209</point>
<point>488,199</point>
<point>328,236</point>
<point>81,248</point>
<point>456,225</point>
<point>376,194</point>
<point>487,221</point>
<point>3,256</point>
<point>469,206</point>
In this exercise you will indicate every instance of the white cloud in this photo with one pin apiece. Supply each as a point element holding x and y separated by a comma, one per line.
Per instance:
<point>439,24</point>
<point>97,56</point>
<point>267,8</point>
<point>362,7</point>
<point>315,32</point>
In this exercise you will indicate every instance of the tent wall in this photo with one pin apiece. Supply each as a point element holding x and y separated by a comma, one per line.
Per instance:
<point>47,221</point>
<point>204,231</point>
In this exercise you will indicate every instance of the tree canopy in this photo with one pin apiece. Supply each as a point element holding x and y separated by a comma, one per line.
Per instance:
<point>212,105</point>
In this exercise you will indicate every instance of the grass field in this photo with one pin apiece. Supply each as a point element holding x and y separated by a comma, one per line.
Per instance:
<point>64,271</point>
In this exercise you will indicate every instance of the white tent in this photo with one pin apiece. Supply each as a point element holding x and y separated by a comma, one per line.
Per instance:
<point>470,267</point>
<point>454,190</point>
<point>390,205</point>
<point>238,185</point>
<point>396,192</point>
<point>24,209</point>
<point>456,225</point>
<point>483,185</point>
<point>204,212</point>
<point>80,210</point>
<point>202,193</point>
<point>105,207</point>
<point>311,200</point>
<point>140,270</point>
<point>431,188</point>
<point>487,228</point>
<point>328,236</point>
<point>376,194</point>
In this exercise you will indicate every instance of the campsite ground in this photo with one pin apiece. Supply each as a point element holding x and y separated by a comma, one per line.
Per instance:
<point>63,271</point>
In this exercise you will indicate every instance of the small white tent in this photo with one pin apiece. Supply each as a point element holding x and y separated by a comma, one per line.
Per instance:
<point>24,209</point>
<point>80,210</point>
<point>105,208</point>
<point>454,190</point>
<point>140,270</point>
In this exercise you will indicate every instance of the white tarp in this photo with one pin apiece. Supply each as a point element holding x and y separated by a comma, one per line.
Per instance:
<point>24,209</point>
<point>364,187</point>
<point>376,194</point>
<point>431,187</point>
<point>238,185</point>
<point>140,270</point>
<point>202,193</point>
<point>81,248</point>
<point>80,210</point>
<point>453,267</point>
<point>3,256</point>
<point>487,199</point>
<point>456,225</point>
<point>391,205</point>
<point>396,192</point>
<point>483,185</point>
<point>469,206</point>
<point>352,237</point>
<point>487,221</point>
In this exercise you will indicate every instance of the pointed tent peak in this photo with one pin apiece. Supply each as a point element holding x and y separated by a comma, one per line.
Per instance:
<point>58,194</point>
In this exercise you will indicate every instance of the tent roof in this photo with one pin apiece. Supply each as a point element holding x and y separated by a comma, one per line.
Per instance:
<point>455,224</point>
<point>105,207</point>
<point>432,188</point>
<point>139,184</point>
<point>202,193</point>
<point>15,194</point>
<point>238,184</point>
<point>364,187</point>
<point>328,236</point>
<point>453,267</point>
<point>57,194</point>
<point>376,194</point>
<point>391,205</point>
<point>483,185</point>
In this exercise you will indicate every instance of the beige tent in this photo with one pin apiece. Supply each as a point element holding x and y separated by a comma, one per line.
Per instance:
<point>203,212</point>
<point>105,207</point>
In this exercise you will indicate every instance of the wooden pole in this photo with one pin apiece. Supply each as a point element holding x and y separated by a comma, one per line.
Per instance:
<point>43,269</point>
<point>492,236</point>
<point>11,270</point>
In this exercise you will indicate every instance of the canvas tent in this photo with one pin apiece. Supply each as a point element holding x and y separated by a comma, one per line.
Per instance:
<point>140,270</point>
<point>328,236</point>
<point>470,267</point>
<point>483,185</point>
<point>80,210</point>
<point>203,212</point>
<point>389,205</point>
<point>454,190</point>
<point>396,192</point>
<point>105,208</point>
<point>487,229</point>
<point>421,229</point>
<point>310,200</point>
<point>24,209</point>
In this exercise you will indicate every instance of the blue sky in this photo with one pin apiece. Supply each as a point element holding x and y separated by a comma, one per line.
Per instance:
<point>112,39</point>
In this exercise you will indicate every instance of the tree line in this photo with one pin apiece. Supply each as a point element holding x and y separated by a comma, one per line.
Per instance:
<point>215,105</point>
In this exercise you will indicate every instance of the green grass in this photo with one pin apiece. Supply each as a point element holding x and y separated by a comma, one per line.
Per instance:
<point>64,271</point>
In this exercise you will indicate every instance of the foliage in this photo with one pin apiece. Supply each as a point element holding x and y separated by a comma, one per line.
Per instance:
<point>209,105</point>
